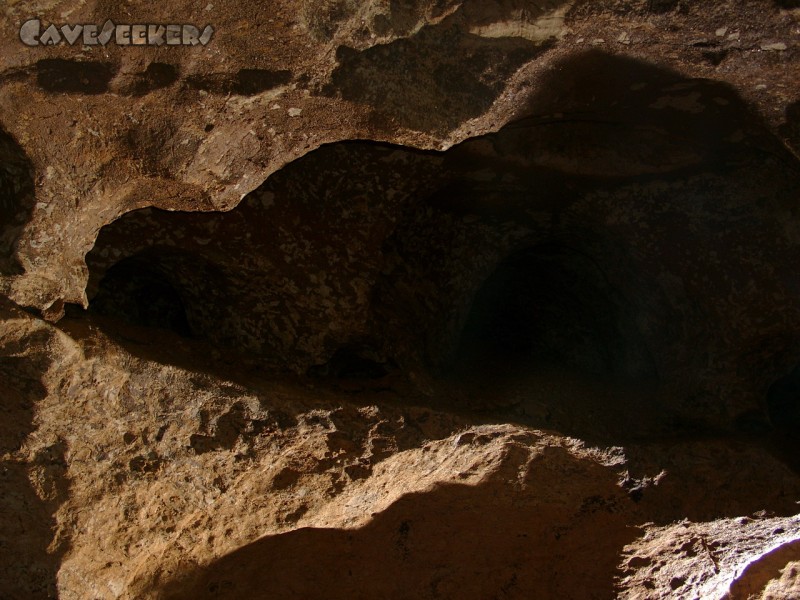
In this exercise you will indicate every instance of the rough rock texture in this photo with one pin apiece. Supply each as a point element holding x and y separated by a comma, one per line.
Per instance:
<point>383,299</point>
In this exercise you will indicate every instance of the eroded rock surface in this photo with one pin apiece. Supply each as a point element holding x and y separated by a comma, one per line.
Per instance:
<point>378,299</point>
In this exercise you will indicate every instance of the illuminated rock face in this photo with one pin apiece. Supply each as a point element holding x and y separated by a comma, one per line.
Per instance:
<point>403,300</point>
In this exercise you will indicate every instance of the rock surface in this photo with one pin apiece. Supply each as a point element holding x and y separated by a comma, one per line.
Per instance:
<point>447,299</point>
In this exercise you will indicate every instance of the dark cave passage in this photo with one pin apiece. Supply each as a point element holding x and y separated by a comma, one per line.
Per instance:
<point>138,292</point>
<point>165,288</point>
<point>552,304</point>
<point>552,340</point>
<point>627,228</point>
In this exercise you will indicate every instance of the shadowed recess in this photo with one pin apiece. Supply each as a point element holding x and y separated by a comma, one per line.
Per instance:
<point>16,200</point>
<point>553,304</point>
<point>142,294</point>
<point>164,288</point>
<point>30,557</point>
<point>156,76</point>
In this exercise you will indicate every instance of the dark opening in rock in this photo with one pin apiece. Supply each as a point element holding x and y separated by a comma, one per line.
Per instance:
<point>352,362</point>
<point>552,304</point>
<point>170,288</point>
<point>141,293</point>
<point>783,403</point>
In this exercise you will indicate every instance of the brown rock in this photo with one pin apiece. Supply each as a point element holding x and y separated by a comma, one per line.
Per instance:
<point>401,300</point>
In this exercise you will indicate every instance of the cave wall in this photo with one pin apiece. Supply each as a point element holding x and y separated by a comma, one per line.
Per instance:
<point>276,293</point>
<point>675,193</point>
<point>244,113</point>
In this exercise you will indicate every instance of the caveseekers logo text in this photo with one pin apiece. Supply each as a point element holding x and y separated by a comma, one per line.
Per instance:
<point>33,33</point>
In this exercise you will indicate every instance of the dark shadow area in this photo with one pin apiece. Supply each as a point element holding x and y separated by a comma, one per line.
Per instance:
<point>353,361</point>
<point>617,117</point>
<point>552,304</point>
<point>246,82</point>
<point>783,408</point>
<point>28,563</point>
<point>16,200</point>
<point>455,541</point>
<point>551,339</point>
<point>669,164</point>
<point>156,76</point>
<point>165,288</point>
<point>58,75</point>
<point>790,129</point>
<point>140,293</point>
<point>783,403</point>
